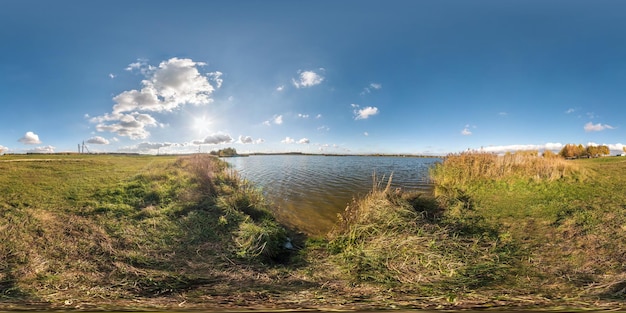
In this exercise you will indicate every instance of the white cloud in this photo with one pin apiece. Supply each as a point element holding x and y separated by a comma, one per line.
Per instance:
<point>141,63</point>
<point>111,75</point>
<point>145,146</point>
<point>366,134</point>
<point>590,127</point>
<point>43,149</point>
<point>323,128</point>
<point>30,138</point>
<point>307,79</point>
<point>214,139</point>
<point>318,116</point>
<point>288,140</point>
<point>370,87</point>
<point>245,139</point>
<point>278,120</point>
<point>503,113</point>
<point>3,149</point>
<point>364,113</point>
<point>570,110</point>
<point>98,140</point>
<point>304,141</point>
<point>216,77</point>
<point>300,115</point>
<point>149,146</point>
<point>171,85</point>
<point>616,147</point>
<point>554,146</point>
<point>249,140</point>
<point>280,88</point>
<point>130,125</point>
<point>466,131</point>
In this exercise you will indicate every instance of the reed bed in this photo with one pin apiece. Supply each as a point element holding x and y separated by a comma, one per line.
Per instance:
<point>459,170</point>
<point>471,166</point>
<point>402,241</point>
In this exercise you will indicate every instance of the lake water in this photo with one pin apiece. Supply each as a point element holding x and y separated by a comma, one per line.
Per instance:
<point>309,191</point>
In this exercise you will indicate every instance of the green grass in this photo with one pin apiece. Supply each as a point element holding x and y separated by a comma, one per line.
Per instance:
<point>187,232</point>
<point>119,227</point>
<point>570,231</point>
<point>409,243</point>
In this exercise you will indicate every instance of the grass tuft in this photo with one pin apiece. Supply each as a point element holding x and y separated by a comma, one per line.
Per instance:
<point>404,241</point>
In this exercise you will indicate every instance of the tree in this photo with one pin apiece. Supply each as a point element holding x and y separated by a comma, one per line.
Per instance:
<point>604,150</point>
<point>227,152</point>
<point>571,151</point>
<point>592,151</point>
<point>596,151</point>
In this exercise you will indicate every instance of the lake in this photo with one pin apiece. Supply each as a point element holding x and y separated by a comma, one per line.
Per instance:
<point>308,191</point>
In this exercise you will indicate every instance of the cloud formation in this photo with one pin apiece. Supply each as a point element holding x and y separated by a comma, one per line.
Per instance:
<point>370,87</point>
<point>169,86</point>
<point>249,140</point>
<point>145,146</point>
<point>131,125</point>
<point>288,140</point>
<point>277,119</point>
<point>3,149</point>
<point>466,131</point>
<point>30,138</point>
<point>43,149</point>
<point>307,79</point>
<point>590,127</point>
<point>97,140</point>
<point>214,139</point>
<point>553,146</point>
<point>364,113</point>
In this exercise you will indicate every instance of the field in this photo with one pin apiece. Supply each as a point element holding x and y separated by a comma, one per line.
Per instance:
<point>164,232</point>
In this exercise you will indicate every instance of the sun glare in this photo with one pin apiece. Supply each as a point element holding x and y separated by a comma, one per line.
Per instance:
<point>201,124</point>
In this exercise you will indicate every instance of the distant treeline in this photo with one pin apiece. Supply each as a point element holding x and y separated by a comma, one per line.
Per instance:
<point>573,151</point>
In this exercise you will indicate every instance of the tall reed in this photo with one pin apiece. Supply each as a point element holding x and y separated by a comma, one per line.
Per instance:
<point>466,167</point>
<point>394,239</point>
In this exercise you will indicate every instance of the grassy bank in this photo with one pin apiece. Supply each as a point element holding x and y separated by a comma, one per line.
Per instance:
<point>113,230</point>
<point>137,232</point>
<point>567,219</point>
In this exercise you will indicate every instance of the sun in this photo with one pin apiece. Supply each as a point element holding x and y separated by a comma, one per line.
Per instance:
<point>201,124</point>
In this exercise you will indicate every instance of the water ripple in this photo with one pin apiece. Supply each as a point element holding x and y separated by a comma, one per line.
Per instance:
<point>309,191</point>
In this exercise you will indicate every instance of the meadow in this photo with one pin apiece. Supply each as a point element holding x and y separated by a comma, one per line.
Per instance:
<point>186,232</point>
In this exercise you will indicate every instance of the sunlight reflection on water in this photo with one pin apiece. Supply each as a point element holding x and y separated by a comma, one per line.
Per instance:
<point>308,191</point>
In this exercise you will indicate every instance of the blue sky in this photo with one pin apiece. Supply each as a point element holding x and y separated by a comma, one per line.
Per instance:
<point>422,77</point>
